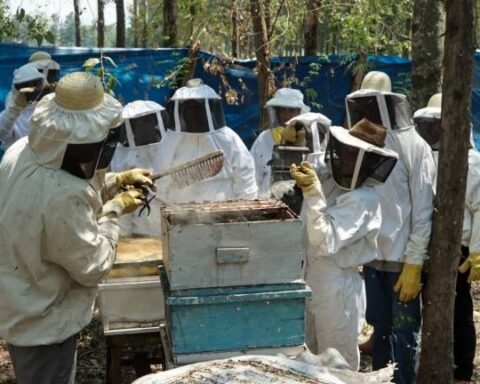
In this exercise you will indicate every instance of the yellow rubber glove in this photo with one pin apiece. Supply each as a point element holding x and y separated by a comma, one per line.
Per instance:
<point>409,284</point>
<point>294,137</point>
<point>19,99</point>
<point>472,263</point>
<point>277,134</point>
<point>129,200</point>
<point>306,178</point>
<point>136,176</point>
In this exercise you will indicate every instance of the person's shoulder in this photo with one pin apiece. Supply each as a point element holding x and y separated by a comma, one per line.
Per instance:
<point>364,195</point>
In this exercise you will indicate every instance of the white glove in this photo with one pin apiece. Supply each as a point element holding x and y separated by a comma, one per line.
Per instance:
<point>16,103</point>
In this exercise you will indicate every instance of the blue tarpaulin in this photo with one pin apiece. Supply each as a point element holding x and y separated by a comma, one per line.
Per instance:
<point>144,74</point>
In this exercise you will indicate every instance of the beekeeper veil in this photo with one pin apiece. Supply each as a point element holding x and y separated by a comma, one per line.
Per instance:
<point>313,129</point>
<point>140,136</point>
<point>378,104</point>
<point>357,156</point>
<point>76,128</point>
<point>195,108</point>
<point>30,82</point>
<point>428,121</point>
<point>50,69</point>
<point>143,123</point>
<point>285,98</point>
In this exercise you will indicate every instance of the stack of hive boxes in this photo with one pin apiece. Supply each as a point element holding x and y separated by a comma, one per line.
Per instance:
<point>232,280</point>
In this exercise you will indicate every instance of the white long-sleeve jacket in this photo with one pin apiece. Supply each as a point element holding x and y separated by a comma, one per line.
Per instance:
<point>406,199</point>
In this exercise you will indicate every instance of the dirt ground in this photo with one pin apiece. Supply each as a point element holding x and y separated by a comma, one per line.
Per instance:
<point>91,365</point>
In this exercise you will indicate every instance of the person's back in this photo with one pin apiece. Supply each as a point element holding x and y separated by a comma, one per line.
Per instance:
<point>57,236</point>
<point>29,258</point>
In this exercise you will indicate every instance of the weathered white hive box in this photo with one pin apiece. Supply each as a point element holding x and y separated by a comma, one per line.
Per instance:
<point>130,300</point>
<point>234,243</point>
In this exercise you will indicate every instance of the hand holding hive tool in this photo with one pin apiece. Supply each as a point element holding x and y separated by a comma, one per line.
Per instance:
<point>189,173</point>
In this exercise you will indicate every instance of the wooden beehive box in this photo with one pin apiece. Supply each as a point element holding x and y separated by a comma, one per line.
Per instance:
<point>210,320</point>
<point>233,243</point>
<point>130,300</point>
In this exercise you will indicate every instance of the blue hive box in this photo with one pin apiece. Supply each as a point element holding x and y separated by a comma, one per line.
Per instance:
<point>235,318</point>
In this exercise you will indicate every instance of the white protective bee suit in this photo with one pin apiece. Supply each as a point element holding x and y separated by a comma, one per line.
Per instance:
<point>393,281</point>
<point>471,219</point>
<point>197,127</point>
<point>56,243</point>
<point>407,196</point>
<point>342,225</point>
<point>139,147</point>
<point>15,119</point>
<point>263,146</point>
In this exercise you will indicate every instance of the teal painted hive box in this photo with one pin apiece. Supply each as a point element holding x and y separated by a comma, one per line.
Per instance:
<point>236,318</point>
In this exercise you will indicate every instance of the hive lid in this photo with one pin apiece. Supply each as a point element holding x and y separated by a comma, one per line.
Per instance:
<point>228,212</point>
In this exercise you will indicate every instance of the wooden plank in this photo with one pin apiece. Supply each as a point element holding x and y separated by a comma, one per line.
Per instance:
<point>275,254</point>
<point>191,358</point>
<point>217,327</point>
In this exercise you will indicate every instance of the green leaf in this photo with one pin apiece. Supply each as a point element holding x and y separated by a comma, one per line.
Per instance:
<point>50,37</point>
<point>89,64</point>
<point>112,81</point>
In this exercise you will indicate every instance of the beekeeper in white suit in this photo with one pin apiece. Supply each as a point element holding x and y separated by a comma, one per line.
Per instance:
<point>33,80</point>
<point>285,104</point>
<point>139,147</point>
<point>57,237</point>
<point>393,282</point>
<point>342,219</point>
<point>309,130</point>
<point>428,122</point>
<point>197,127</point>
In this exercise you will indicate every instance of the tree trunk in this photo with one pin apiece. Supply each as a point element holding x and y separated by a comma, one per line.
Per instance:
<point>428,25</point>
<point>76,10</point>
<point>170,23</point>
<point>436,360</point>
<point>235,42</point>
<point>408,34</point>
<point>135,23</point>
<point>266,83</point>
<point>143,15</point>
<point>120,23</point>
<point>101,24</point>
<point>311,27</point>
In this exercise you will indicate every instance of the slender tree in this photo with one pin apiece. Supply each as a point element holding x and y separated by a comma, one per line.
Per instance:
<point>265,78</point>
<point>428,25</point>
<point>311,27</point>
<point>436,360</point>
<point>76,10</point>
<point>120,7</point>
<point>235,42</point>
<point>143,15</point>
<point>101,24</point>
<point>169,23</point>
<point>135,22</point>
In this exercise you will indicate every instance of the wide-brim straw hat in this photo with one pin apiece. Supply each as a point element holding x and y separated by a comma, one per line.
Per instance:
<point>39,55</point>
<point>79,112</point>
<point>344,136</point>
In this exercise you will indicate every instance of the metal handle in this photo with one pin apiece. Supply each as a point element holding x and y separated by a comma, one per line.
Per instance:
<point>232,255</point>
